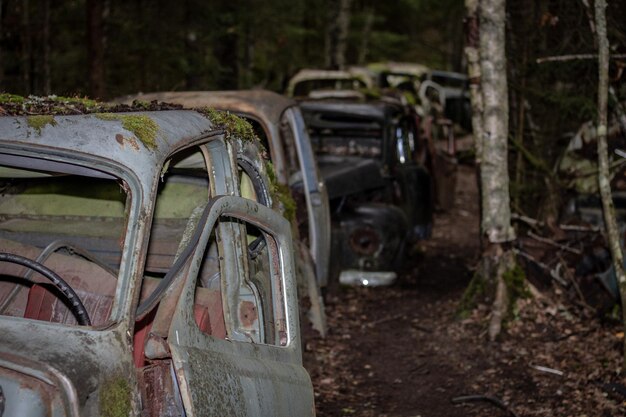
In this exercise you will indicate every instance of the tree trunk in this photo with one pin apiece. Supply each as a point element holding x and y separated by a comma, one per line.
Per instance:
<point>46,47</point>
<point>496,221</point>
<point>610,222</point>
<point>26,49</point>
<point>337,33</point>
<point>1,39</point>
<point>365,36</point>
<point>95,47</point>
<point>485,49</point>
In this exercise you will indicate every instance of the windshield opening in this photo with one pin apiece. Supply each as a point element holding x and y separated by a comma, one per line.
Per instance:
<point>68,222</point>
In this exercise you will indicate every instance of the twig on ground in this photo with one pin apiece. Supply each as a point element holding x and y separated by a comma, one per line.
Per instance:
<point>384,320</point>
<point>486,398</point>
<point>547,370</point>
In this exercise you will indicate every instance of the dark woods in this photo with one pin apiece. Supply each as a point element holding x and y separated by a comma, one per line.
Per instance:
<point>112,47</point>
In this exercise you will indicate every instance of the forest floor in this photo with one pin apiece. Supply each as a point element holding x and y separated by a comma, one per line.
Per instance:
<point>404,351</point>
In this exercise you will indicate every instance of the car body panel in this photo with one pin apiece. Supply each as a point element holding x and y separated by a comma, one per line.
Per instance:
<point>271,110</point>
<point>89,370</point>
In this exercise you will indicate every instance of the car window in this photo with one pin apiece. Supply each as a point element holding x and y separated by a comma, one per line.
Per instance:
<point>257,305</point>
<point>72,222</point>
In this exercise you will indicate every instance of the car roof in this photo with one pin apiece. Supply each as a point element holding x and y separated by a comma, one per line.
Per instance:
<point>139,141</point>
<point>322,74</point>
<point>261,104</point>
<point>408,68</point>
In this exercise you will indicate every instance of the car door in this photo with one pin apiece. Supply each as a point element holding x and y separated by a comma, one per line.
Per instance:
<point>256,369</point>
<point>315,194</point>
<point>243,358</point>
<point>413,183</point>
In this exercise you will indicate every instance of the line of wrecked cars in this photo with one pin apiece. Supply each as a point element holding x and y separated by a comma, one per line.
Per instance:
<point>386,152</point>
<point>155,258</point>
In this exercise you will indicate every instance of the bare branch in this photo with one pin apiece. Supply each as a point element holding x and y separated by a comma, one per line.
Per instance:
<point>554,243</point>
<point>574,57</point>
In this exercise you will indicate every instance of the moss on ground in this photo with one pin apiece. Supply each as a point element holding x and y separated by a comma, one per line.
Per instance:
<point>475,290</point>
<point>515,280</point>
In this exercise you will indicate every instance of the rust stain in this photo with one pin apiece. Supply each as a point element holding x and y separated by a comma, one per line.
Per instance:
<point>247,313</point>
<point>130,140</point>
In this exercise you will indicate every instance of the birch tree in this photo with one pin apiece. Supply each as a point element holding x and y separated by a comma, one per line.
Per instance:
<point>487,71</point>
<point>337,33</point>
<point>610,222</point>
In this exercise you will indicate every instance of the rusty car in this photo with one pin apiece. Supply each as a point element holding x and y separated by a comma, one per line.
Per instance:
<point>278,123</point>
<point>381,199</point>
<point>313,81</point>
<point>439,110</point>
<point>144,271</point>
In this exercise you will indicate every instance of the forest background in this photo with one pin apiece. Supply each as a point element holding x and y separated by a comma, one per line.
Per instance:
<point>104,49</point>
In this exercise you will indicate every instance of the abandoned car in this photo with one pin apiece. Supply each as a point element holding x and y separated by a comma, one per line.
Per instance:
<point>381,199</point>
<point>278,122</point>
<point>437,108</point>
<point>309,82</point>
<point>143,272</point>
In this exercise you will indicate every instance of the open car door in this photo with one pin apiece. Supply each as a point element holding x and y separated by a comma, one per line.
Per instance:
<point>256,368</point>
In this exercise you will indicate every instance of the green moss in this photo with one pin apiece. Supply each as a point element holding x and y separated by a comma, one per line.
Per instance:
<point>40,121</point>
<point>281,193</point>
<point>372,93</point>
<point>232,124</point>
<point>106,116</point>
<point>515,281</point>
<point>86,102</point>
<point>11,98</point>
<point>410,98</point>
<point>115,398</point>
<point>142,126</point>
<point>271,172</point>
<point>475,290</point>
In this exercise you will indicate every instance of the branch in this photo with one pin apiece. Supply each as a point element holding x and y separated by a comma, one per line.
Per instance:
<point>486,398</point>
<point>554,273</point>
<point>554,243</point>
<point>573,57</point>
<point>532,159</point>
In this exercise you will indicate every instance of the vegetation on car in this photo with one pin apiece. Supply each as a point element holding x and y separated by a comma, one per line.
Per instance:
<point>142,126</point>
<point>115,398</point>
<point>232,124</point>
<point>40,121</point>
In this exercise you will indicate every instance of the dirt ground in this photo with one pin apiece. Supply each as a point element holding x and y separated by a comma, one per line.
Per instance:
<point>404,350</point>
